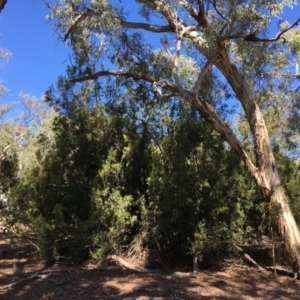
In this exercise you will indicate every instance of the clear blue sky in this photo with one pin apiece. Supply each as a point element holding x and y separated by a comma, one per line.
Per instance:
<point>37,56</point>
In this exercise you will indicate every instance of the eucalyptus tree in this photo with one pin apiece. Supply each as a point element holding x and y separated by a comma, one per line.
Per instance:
<point>211,54</point>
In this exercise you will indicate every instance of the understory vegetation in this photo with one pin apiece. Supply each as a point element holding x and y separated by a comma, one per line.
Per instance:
<point>104,179</point>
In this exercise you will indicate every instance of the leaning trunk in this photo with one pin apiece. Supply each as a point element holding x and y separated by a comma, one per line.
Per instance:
<point>287,228</point>
<point>266,174</point>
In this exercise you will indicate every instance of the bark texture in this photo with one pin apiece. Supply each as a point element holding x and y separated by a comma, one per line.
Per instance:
<point>287,228</point>
<point>266,175</point>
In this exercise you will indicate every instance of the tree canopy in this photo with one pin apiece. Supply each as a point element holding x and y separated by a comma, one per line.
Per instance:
<point>185,58</point>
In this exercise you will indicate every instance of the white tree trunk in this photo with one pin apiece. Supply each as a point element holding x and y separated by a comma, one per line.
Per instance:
<point>287,228</point>
<point>266,175</point>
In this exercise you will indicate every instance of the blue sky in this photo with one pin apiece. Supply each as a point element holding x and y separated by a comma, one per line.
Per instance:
<point>37,56</point>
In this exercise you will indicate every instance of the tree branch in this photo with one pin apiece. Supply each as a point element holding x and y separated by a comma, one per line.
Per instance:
<point>212,118</point>
<point>199,16</point>
<point>176,62</point>
<point>207,65</point>
<point>129,266</point>
<point>175,58</point>
<point>147,27</point>
<point>253,38</point>
<point>205,109</point>
<point>218,12</point>
<point>39,274</point>
<point>229,22</point>
<point>159,95</point>
<point>287,29</point>
<point>80,18</point>
<point>131,25</point>
<point>129,74</point>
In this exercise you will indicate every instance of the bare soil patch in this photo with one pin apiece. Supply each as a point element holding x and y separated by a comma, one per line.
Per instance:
<point>236,281</point>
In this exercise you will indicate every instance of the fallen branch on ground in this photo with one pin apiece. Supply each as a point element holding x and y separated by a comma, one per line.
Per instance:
<point>100,268</point>
<point>281,272</point>
<point>55,271</point>
<point>3,287</point>
<point>129,266</point>
<point>40,275</point>
<point>184,274</point>
<point>248,258</point>
<point>47,278</point>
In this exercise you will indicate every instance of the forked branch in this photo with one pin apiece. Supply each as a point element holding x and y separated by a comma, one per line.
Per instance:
<point>253,38</point>
<point>206,67</point>
<point>136,76</point>
<point>199,16</point>
<point>131,25</point>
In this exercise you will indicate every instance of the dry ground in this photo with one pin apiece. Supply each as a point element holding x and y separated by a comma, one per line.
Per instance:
<point>235,281</point>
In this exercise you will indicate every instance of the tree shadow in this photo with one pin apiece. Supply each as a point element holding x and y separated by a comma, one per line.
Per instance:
<point>124,284</point>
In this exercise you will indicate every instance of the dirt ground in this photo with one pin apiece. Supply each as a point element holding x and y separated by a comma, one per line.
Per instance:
<point>235,281</point>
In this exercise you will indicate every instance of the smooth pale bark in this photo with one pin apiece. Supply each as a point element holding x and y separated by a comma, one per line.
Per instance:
<point>266,176</point>
<point>264,172</point>
<point>287,228</point>
<point>3,153</point>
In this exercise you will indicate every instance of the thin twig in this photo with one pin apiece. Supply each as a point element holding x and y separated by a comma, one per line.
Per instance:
<point>101,268</point>
<point>203,72</point>
<point>218,12</point>
<point>176,57</point>
<point>33,244</point>
<point>17,282</point>
<point>47,4</point>
<point>39,274</point>
<point>253,38</point>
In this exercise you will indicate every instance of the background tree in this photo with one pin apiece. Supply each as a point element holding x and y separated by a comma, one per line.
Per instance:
<point>4,108</point>
<point>8,153</point>
<point>77,197</point>
<point>19,131</point>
